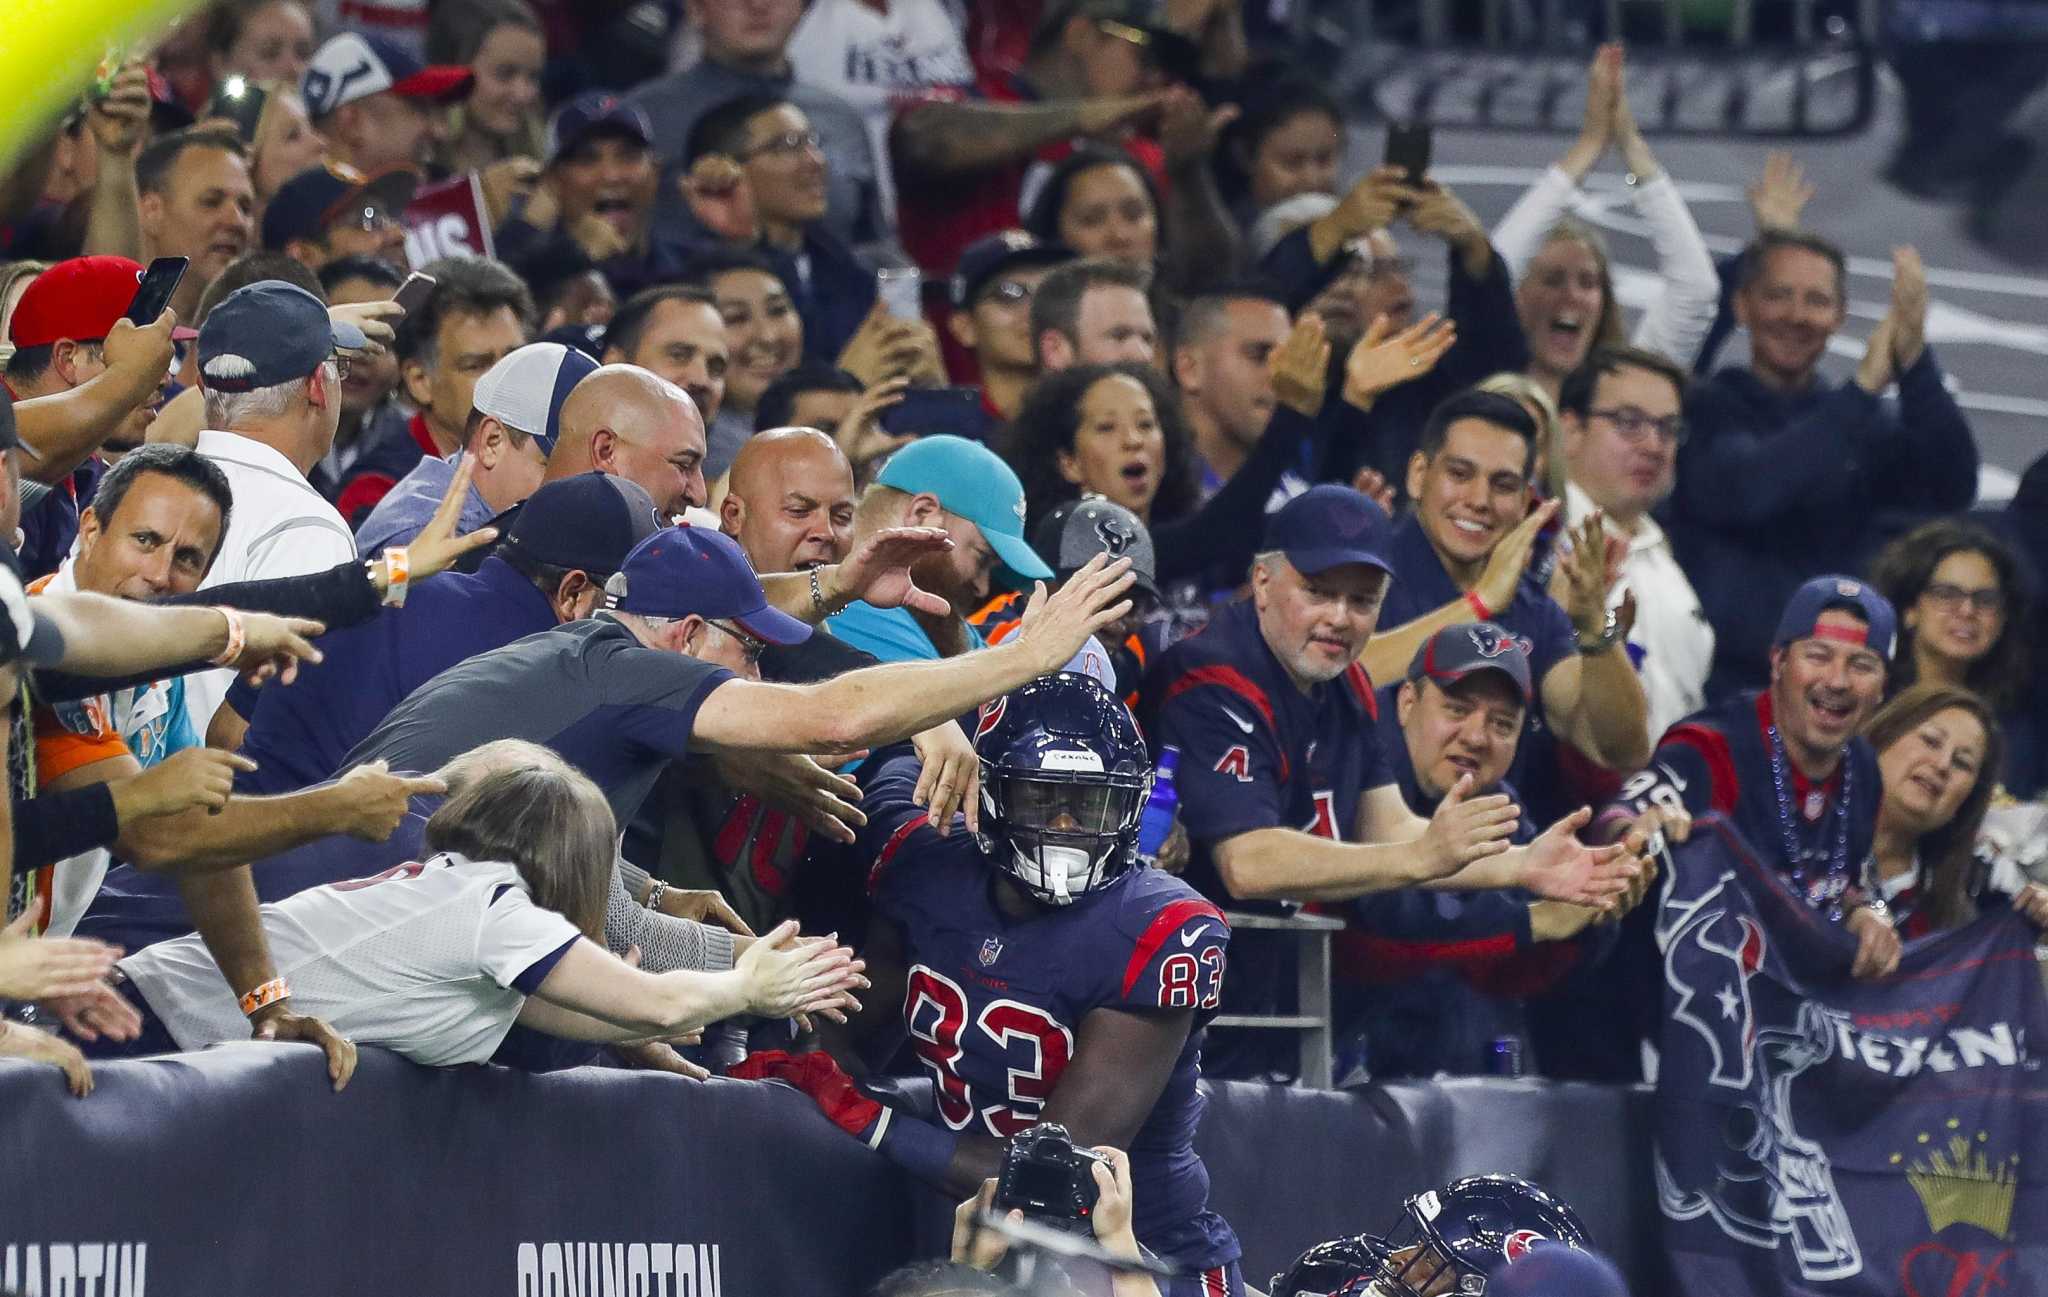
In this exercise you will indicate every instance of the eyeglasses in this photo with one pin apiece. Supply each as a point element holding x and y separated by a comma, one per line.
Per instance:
<point>1010,292</point>
<point>787,142</point>
<point>1635,426</point>
<point>341,365</point>
<point>1950,598</point>
<point>753,647</point>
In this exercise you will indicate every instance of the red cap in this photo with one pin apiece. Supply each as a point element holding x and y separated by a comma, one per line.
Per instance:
<point>78,299</point>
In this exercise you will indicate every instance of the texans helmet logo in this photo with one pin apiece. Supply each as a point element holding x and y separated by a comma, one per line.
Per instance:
<point>1114,535</point>
<point>1516,1245</point>
<point>991,715</point>
<point>1489,640</point>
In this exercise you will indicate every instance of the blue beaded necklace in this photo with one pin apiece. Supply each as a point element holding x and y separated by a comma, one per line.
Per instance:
<point>1825,889</point>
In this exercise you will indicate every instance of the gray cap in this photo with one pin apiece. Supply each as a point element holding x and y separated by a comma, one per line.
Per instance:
<point>1080,529</point>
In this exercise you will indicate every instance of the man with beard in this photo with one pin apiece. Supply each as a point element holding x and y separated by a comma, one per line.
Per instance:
<point>1285,791</point>
<point>965,488</point>
<point>1787,764</point>
<point>1785,474</point>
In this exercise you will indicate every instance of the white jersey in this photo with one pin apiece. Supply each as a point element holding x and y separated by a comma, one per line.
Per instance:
<point>432,960</point>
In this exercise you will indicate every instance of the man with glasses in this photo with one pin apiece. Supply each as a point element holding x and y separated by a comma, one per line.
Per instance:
<point>992,290</point>
<point>1621,417</point>
<point>763,146</point>
<point>272,380</point>
<point>333,211</point>
<point>1462,555</point>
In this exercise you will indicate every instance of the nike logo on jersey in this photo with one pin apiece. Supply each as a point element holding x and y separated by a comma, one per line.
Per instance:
<point>1187,938</point>
<point>1240,721</point>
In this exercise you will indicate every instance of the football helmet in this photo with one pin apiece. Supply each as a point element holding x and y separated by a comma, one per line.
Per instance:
<point>1064,778</point>
<point>1448,1242</point>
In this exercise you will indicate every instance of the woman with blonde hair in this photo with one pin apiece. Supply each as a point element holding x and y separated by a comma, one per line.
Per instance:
<point>497,131</point>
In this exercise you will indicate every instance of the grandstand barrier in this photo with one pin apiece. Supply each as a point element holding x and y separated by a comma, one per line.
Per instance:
<point>237,1172</point>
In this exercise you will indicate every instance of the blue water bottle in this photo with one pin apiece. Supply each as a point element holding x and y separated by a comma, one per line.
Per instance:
<point>1156,821</point>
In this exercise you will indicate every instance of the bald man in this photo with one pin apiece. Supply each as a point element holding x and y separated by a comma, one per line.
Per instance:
<point>632,423</point>
<point>789,500</point>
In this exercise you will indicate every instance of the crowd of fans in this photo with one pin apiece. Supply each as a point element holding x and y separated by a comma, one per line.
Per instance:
<point>867,315</point>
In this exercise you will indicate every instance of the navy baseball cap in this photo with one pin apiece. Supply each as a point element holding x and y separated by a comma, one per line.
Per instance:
<point>304,206</point>
<point>588,523</point>
<point>356,65</point>
<point>1809,601</point>
<point>596,110</point>
<point>1080,529</point>
<point>686,571</point>
<point>1328,526</point>
<point>267,333</point>
<point>1552,1269</point>
<point>992,254</point>
<point>1455,652</point>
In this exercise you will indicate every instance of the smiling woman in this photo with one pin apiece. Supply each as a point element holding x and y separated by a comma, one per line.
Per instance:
<point>1937,746</point>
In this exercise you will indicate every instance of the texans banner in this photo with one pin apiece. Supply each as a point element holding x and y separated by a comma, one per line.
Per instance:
<point>1819,1136</point>
<point>449,219</point>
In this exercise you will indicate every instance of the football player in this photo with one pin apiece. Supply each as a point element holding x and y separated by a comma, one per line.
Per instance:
<point>1040,976</point>
<point>1448,1241</point>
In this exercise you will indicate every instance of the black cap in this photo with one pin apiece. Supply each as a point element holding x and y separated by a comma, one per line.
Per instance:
<point>589,523</point>
<point>992,254</point>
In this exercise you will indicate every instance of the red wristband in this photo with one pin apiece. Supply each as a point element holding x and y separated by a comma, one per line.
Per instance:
<point>1478,606</point>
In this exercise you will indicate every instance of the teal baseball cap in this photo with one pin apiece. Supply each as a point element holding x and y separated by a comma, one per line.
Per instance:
<point>971,480</point>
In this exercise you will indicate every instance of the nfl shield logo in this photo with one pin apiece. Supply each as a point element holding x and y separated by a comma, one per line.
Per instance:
<point>991,951</point>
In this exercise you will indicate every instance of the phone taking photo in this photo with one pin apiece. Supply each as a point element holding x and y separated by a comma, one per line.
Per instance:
<point>153,291</point>
<point>901,289</point>
<point>1408,147</point>
<point>414,292</point>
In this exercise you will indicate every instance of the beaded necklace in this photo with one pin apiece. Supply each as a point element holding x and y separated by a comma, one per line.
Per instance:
<point>1824,890</point>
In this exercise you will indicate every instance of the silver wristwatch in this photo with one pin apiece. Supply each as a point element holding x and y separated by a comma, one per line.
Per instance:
<point>1610,635</point>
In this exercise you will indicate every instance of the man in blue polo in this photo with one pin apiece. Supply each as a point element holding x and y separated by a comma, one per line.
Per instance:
<point>1460,556</point>
<point>966,488</point>
<point>515,418</point>
<point>1285,789</point>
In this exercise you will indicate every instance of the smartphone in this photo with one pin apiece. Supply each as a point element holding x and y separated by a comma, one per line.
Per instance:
<point>240,102</point>
<point>153,292</point>
<point>901,289</point>
<point>928,410</point>
<point>1408,148</point>
<point>414,292</point>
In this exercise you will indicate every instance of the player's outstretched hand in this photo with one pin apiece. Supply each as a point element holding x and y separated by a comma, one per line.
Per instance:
<point>786,974</point>
<point>878,570</point>
<point>276,1021</point>
<point>1467,828</point>
<point>950,779</point>
<point>659,1056</point>
<point>821,799</point>
<point>35,968</point>
<point>1559,867</point>
<point>1055,626</point>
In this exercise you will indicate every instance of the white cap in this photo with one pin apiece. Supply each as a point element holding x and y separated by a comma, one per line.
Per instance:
<point>525,390</point>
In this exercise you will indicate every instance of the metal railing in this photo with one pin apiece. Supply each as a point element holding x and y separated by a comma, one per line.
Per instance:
<point>1312,992</point>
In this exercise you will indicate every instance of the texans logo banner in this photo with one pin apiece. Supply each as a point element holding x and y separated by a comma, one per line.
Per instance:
<point>1823,1137</point>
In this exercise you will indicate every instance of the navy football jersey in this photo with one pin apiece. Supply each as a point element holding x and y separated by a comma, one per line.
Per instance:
<point>1258,753</point>
<point>993,1005</point>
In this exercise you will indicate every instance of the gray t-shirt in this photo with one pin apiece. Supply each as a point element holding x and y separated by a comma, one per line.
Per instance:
<point>612,707</point>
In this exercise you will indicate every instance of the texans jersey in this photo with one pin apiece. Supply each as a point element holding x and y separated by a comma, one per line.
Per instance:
<point>1258,753</point>
<point>994,1005</point>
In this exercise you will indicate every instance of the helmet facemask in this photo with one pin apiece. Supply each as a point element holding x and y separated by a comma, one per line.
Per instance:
<point>1063,833</point>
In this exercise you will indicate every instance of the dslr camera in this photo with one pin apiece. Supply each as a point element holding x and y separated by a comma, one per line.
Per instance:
<point>1045,1176</point>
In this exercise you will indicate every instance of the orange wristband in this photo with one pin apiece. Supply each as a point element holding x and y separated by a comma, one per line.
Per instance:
<point>1478,605</point>
<point>397,576</point>
<point>269,993</point>
<point>237,639</point>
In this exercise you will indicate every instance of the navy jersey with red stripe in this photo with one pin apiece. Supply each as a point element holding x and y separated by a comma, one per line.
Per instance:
<point>994,1005</point>
<point>1718,760</point>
